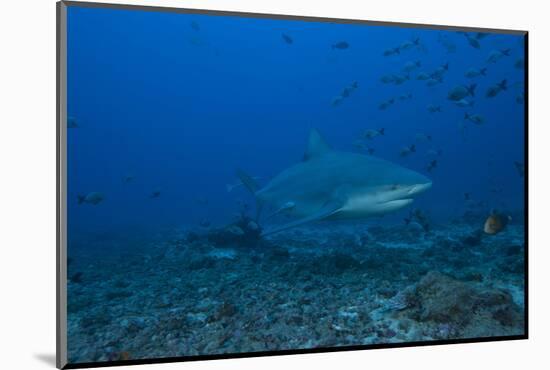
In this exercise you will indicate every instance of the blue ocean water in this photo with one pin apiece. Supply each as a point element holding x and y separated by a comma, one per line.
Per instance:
<point>167,107</point>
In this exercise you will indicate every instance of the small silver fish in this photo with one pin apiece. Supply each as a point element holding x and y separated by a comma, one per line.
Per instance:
<point>460,92</point>
<point>464,103</point>
<point>434,152</point>
<point>475,118</point>
<point>386,104</point>
<point>371,134</point>
<point>422,76</point>
<point>399,79</point>
<point>434,108</point>
<point>433,82</point>
<point>410,44</point>
<point>441,70</point>
<point>387,79</point>
<point>411,66</point>
<point>405,151</point>
<point>423,137</point>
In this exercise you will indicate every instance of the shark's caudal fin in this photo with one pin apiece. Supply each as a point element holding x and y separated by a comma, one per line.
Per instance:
<point>253,187</point>
<point>247,181</point>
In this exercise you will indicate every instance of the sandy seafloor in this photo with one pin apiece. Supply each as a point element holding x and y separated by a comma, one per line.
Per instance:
<point>183,294</point>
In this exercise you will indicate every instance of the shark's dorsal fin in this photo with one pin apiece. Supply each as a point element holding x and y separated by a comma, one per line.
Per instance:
<point>316,145</point>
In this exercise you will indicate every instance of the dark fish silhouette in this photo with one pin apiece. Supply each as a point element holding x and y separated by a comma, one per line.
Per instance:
<point>407,150</point>
<point>370,134</point>
<point>494,90</point>
<point>392,51</point>
<point>434,108</point>
<point>72,122</point>
<point>287,39</point>
<point>386,104</point>
<point>520,63</point>
<point>420,217</point>
<point>496,55</point>
<point>472,41</point>
<point>520,167</point>
<point>340,45</point>
<point>520,99</point>
<point>473,72</point>
<point>76,278</point>
<point>409,44</point>
<point>128,178</point>
<point>474,118</point>
<point>440,71</point>
<point>93,198</point>
<point>460,92</point>
<point>432,165</point>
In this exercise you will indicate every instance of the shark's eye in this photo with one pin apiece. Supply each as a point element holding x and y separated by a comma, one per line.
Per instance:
<point>394,187</point>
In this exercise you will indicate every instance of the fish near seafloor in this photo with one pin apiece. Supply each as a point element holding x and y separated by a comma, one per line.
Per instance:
<point>496,223</point>
<point>333,185</point>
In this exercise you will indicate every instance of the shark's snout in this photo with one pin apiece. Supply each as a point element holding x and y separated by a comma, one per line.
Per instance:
<point>419,188</point>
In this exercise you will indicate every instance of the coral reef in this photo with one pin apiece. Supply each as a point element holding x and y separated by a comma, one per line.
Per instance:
<point>226,290</point>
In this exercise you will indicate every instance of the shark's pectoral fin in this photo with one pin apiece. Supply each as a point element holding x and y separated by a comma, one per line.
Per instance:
<point>327,210</point>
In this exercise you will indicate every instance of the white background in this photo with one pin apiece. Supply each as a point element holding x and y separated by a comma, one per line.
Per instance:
<point>27,182</point>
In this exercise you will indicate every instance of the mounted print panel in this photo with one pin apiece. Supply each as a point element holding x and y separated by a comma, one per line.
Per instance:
<point>241,184</point>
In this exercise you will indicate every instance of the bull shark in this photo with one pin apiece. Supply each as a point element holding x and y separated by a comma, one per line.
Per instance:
<point>333,185</point>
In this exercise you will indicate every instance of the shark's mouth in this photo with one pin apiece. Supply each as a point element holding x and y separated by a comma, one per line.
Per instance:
<point>404,197</point>
<point>398,203</point>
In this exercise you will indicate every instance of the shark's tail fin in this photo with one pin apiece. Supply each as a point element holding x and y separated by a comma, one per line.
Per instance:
<point>253,187</point>
<point>247,181</point>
